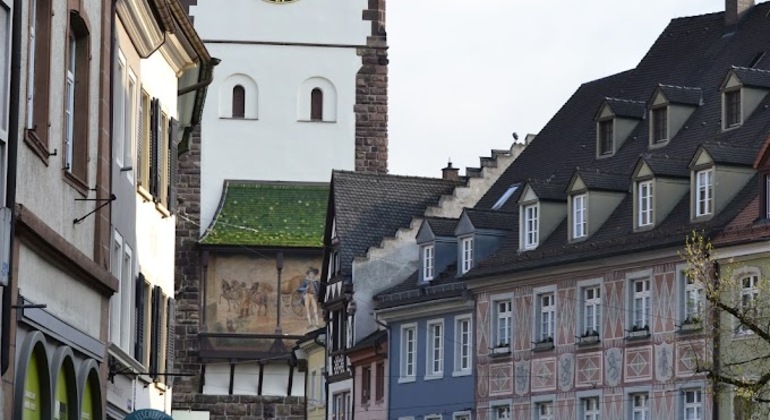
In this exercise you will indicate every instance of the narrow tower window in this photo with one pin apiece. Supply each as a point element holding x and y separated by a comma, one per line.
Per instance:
<point>239,102</point>
<point>316,105</point>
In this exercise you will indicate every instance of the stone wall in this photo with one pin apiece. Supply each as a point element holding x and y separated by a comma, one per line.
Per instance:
<point>243,407</point>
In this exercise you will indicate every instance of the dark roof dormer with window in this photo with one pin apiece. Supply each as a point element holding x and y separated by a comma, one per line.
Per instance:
<point>670,107</point>
<point>717,173</point>
<point>592,196</point>
<point>542,207</point>
<point>437,246</point>
<point>742,91</point>
<point>615,120</point>
<point>485,229</point>
<point>659,183</point>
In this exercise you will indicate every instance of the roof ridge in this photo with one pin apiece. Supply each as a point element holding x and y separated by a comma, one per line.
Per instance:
<point>277,183</point>
<point>381,175</point>
<point>629,101</point>
<point>734,67</point>
<point>679,87</point>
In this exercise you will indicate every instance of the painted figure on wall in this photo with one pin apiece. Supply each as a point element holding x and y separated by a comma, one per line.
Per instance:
<point>309,290</point>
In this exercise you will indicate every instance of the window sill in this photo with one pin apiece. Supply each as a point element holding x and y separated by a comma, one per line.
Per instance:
<point>317,121</point>
<point>500,351</point>
<point>144,193</point>
<point>690,327</point>
<point>39,147</point>
<point>239,119</point>
<point>656,144</point>
<point>162,209</point>
<point>433,377</point>
<point>76,183</point>
<point>544,346</point>
<point>407,379</point>
<point>645,228</point>
<point>460,373</point>
<point>590,340</point>
<point>638,335</point>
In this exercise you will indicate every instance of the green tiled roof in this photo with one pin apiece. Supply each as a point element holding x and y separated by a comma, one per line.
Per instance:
<point>269,214</point>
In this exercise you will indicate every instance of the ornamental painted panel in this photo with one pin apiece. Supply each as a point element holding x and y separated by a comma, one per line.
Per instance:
<point>565,334</point>
<point>664,303</point>
<point>689,355</point>
<point>638,363</point>
<point>664,361</point>
<point>522,322</point>
<point>500,379</point>
<point>544,374</point>
<point>520,411</point>
<point>566,371</point>
<point>482,381</point>
<point>664,404</point>
<point>243,294</point>
<point>615,406</point>
<point>613,366</point>
<point>483,328</point>
<point>589,370</point>
<point>522,376</point>
<point>567,408</point>
<point>614,305</point>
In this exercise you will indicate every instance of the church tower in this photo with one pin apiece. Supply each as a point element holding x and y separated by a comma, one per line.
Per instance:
<point>301,89</point>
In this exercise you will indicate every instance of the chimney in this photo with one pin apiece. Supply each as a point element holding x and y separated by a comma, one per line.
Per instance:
<point>735,9</point>
<point>450,173</point>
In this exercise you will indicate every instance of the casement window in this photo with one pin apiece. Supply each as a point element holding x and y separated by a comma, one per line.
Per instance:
<point>531,226</point>
<point>545,411</point>
<point>126,298</point>
<point>76,110</point>
<point>463,345</point>
<point>38,76</point>
<point>732,108</point>
<point>659,125</point>
<point>465,415</point>
<point>435,351</point>
<point>428,262</point>
<point>162,337</point>
<point>239,102</point>
<point>339,330</point>
<point>408,352</point>
<point>341,406</point>
<point>366,384</point>
<point>143,307</point>
<point>640,406</point>
<point>316,105</point>
<point>116,301</point>
<point>590,409</point>
<point>379,382</point>
<point>645,203</point>
<point>467,254</point>
<point>162,157</point>
<point>641,296</point>
<point>6,11</point>
<point>546,307</point>
<point>692,407</point>
<point>592,313</point>
<point>693,299</point>
<point>606,137</point>
<point>143,141</point>
<point>501,412</point>
<point>502,323</point>
<point>124,115</point>
<point>704,189</point>
<point>579,221</point>
<point>749,294</point>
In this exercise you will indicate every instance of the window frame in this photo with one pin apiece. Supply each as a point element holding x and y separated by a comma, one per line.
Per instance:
<point>539,408</point>
<point>407,371</point>
<point>462,415</point>
<point>645,297</point>
<point>467,253</point>
<point>316,104</point>
<point>428,262</point>
<point>531,228</point>
<point>238,102</point>
<point>696,405</point>
<point>753,291</point>
<point>643,409</point>
<point>379,382</point>
<point>463,343</point>
<point>704,193</point>
<point>659,125</point>
<point>434,349</point>
<point>690,287</point>
<point>595,302</point>
<point>77,68</point>
<point>507,407</point>
<point>579,224</point>
<point>508,301</point>
<point>588,413</point>
<point>546,325</point>
<point>645,203</point>
<point>732,108</point>
<point>605,129</point>
<point>37,101</point>
<point>366,384</point>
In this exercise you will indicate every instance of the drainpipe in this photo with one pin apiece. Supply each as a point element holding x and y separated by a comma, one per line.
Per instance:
<point>10,199</point>
<point>715,317</point>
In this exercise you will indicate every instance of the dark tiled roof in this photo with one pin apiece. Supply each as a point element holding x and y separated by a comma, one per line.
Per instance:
<point>379,336</point>
<point>725,153</point>
<point>368,207</point>
<point>753,77</point>
<point>274,214</point>
<point>442,226</point>
<point>690,52</point>
<point>627,108</point>
<point>597,180</point>
<point>445,285</point>
<point>490,219</point>
<point>682,94</point>
<point>548,190</point>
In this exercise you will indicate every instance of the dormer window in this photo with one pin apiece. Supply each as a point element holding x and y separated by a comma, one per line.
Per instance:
<point>659,125</point>
<point>645,204</point>
<point>428,262</point>
<point>579,222</point>
<point>606,141</point>
<point>732,104</point>
<point>467,254</point>
<point>704,190</point>
<point>531,226</point>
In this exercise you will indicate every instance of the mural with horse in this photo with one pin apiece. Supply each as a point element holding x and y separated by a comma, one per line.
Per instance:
<point>243,295</point>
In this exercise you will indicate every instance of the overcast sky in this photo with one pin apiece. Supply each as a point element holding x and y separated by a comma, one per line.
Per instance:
<point>466,74</point>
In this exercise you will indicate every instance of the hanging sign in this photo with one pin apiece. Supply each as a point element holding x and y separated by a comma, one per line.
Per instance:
<point>148,414</point>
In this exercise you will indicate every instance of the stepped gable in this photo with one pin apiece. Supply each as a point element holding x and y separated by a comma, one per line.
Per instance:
<point>368,207</point>
<point>691,51</point>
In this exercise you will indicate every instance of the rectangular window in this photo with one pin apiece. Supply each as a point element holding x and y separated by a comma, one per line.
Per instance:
<point>704,189</point>
<point>432,417</point>
<point>120,98</point>
<point>366,384</point>
<point>591,410</point>
<point>5,67</point>
<point>76,103</point>
<point>503,323</point>
<point>644,198</point>
<point>143,143</point>
<point>732,108</point>
<point>341,406</point>
<point>640,406</point>
<point>592,303</point>
<point>579,216</point>
<point>116,301</point>
<point>467,248</point>
<point>130,125</point>
<point>435,348</point>
<point>463,346</point>
<point>659,125</point>
<point>547,311</point>
<point>606,146</point>
<point>545,411</point>
<point>38,76</point>
<point>428,262</point>
<point>641,304</point>
<point>501,412</point>
<point>531,226</point>
<point>693,300</point>
<point>127,283</point>
<point>69,105</point>
<point>749,294</point>
<point>379,389</point>
<point>462,416</point>
<point>693,409</point>
<point>408,352</point>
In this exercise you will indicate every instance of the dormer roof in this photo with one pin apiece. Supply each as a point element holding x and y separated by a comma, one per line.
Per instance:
<point>599,181</point>
<point>664,166</point>
<point>750,77</point>
<point>544,191</point>
<point>682,95</point>
<point>441,226</point>
<point>493,220</point>
<point>624,108</point>
<point>725,154</point>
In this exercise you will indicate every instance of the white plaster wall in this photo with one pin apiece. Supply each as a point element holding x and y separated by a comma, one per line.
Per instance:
<point>41,188</point>
<point>67,298</point>
<point>155,243</point>
<point>276,146</point>
<point>304,21</point>
<point>159,80</point>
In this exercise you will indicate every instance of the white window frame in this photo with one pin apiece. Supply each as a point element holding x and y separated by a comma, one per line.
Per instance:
<point>704,192</point>
<point>312,391</point>
<point>645,199</point>
<point>579,219</point>
<point>6,31</point>
<point>695,405</point>
<point>592,308</point>
<point>463,359</point>
<point>462,415</point>
<point>546,316</point>
<point>428,262</point>
<point>408,372</point>
<point>639,403</point>
<point>467,254</point>
<point>641,302</point>
<point>32,45</point>
<point>590,411</point>
<point>502,321</point>
<point>116,301</point>
<point>131,110</point>
<point>69,102</point>
<point>127,287</point>
<point>747,295</point>
<point>120,107</point>
<point>434,353</point>
<point>545,410</point>
<point>531,228</point>
<point>693,300</point>
<point>341,405</point>
<point>496,406</point>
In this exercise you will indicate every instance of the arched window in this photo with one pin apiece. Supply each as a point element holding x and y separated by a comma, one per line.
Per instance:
<point>316,105</point>
<point>239,102</point>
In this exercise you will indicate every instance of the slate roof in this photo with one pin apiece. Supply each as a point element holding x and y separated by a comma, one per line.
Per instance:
<point>489,219</point>
<point>755,77</point>
<point>442,226</point>
<point>547,190</point>
<point>691,51</point>
<point>627,108</point>
<point>444,286</point>
<point>682,94</point>
<point>379,336</point>
<point>598,181</point>
<point>269,214</point>
<point>368,207</point>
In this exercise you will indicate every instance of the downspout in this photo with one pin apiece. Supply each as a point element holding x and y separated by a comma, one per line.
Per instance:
<point>10,198</point>
<point>715,316</point>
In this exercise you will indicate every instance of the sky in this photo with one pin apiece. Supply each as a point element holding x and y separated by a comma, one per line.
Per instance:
<point>466,74</point>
